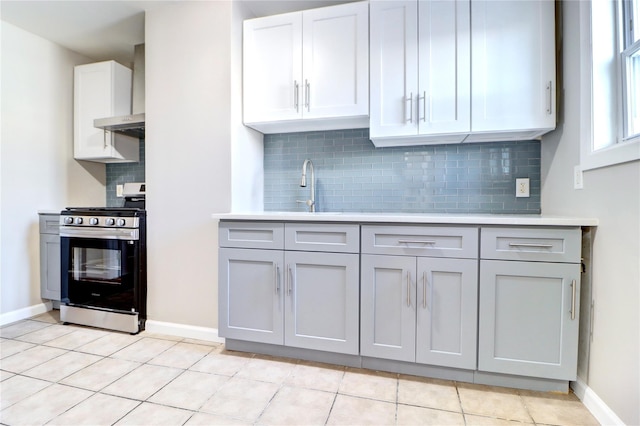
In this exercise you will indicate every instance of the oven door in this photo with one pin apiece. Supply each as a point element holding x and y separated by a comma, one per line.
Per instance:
<point>100,273</point>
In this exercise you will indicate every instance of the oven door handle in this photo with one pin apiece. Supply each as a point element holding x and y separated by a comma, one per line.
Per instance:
<point>100,233</point>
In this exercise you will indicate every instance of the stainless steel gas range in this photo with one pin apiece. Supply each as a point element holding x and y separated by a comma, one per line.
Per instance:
<point>104,265</point>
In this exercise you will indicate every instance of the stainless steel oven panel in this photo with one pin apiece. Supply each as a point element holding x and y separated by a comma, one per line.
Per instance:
<point>100,318</point>
<point>100,233</point>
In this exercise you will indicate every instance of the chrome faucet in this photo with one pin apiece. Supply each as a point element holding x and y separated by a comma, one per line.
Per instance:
<point>312,188</point>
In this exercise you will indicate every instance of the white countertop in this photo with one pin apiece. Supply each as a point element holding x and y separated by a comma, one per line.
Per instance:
<point>416,218</point>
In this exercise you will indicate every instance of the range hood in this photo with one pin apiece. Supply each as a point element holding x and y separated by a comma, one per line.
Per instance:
<point>132,124</point>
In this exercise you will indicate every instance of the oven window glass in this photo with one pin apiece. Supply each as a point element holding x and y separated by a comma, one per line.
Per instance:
<point>97,265</point>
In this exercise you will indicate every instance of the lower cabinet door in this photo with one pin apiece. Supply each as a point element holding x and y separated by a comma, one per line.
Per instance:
<point>529,318</point>
<point>447,309</point>
<point>50,266</point>
<point>321,301</point>
<point>250,291</point>
<point>388,316</point>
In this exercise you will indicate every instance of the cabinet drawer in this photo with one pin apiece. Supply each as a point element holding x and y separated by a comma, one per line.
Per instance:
<point>50,224</point>
<point>334,238</point>
<point>258,235</point>
<point>533,244</point>
<point>433,241</point>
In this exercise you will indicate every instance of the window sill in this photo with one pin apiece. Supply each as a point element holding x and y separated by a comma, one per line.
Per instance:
<point>621,153</point>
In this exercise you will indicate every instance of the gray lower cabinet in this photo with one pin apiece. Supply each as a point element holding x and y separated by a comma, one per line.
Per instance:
<point>528,319</point>
<point>250,292</point>
<point>49,256</point>
<point>419,308</point>
<point>321,301</point>
<point>302,299</point>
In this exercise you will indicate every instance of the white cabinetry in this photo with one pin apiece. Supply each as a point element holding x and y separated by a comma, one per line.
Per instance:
<point>306,296</point>
<point>529,302</point>
<point>419,295</point>
<point>102,89</point>
<point>420,72</point>
<point>454,71</point>
<point>513,69</point>
<point>307,70</point>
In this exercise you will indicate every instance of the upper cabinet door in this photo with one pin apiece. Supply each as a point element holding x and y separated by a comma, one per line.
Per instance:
<point>102,89</point>
<point>444,100</point>
<point>420,72</point>
<point>394,68</point>
<point>513,62</point>
<point>273,68</point>
<point>336,61</point>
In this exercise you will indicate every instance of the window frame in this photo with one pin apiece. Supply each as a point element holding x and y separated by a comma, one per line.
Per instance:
<point>617,149</point>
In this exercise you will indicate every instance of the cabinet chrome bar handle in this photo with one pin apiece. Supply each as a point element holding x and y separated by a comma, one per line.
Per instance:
<point>289,279</point>
<point>307,95</point>
<point>276,271</point>
<point>296,97</point>
<point>424,290</point>
<point>408,289</point>
<point>410,101</point>
<point>423,116</point>
<point>530,245</point>
<point>416,242</point>
<point>104,139</point>
<point>549,97</point>
<point>573,299</point>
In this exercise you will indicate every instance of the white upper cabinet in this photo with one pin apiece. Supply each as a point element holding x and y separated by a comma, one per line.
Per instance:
<point>420,72</point>
<point>102,89</point>
<point>454,71</point>
<point>513,69</point>
<point>272,68</point>
<point>307,70</point>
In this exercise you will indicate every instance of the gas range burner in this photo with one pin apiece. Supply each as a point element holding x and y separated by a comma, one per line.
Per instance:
<point>103,211</point>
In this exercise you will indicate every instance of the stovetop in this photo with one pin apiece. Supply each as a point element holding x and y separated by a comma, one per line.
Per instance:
<point>103,211</point>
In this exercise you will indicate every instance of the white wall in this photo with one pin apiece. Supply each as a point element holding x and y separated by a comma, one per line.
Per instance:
<point>612,195</point>
<point>38,171</point>
<point>191,87</point>
<point>247,145</point>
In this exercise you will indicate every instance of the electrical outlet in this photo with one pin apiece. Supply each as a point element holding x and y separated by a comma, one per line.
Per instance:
<point>522,187</point>
<point>577,178</point>
<point>119,189</point>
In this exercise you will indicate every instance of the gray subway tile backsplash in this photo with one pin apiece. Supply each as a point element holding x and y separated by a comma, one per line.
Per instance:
<point>354,176</point>
<point>119,173</point>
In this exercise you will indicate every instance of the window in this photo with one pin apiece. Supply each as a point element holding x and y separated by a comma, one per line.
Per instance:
<point>630,12</point>
<point>611,67</point>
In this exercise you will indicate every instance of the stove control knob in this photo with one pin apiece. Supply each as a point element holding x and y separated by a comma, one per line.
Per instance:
<point>121,222</point>
<point>68,220</point>
<point>93,221</point>
<point>79,221</point>
<point>110,221</point>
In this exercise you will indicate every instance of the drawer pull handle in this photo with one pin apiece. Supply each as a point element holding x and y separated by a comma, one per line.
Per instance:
<point>416,242</point>
<point>573,299</point>
<point>530,245</point>
<point>408,289</point>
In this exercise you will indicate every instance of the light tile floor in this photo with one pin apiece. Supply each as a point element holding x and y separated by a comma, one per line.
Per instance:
<point>71,375</point>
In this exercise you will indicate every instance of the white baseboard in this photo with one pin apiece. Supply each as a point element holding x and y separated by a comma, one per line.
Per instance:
<point>600,410</point>
<point>182,330</point>
<point>24,313</point>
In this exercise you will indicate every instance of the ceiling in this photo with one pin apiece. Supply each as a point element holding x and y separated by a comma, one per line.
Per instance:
<point>104,30</point>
